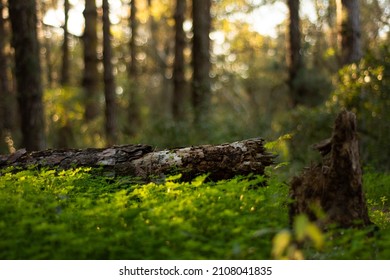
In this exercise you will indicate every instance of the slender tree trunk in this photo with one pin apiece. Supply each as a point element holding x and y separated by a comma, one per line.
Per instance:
<point>28,72</point>
<point>47,46</point>
<point>65,48</point>
<point>294,57</point>
<point>7,114</point>
<point>8,107</point>
<point>331,20</point>
<point>4,86</point>
<point>161,51</point>
<point>5,90</point>
<point>133,39</point>
<point>109,80</point>
<point>158,55</point>
<point>90,79</point>
<point>201,84</point>
<point>49,63</point>
<point>349,32</point>
<point>65,133</point>
<point>179,81</point>
<point>133,112</point>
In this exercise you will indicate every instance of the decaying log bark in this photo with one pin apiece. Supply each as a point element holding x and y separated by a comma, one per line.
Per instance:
<point>335,185</point>
<point>220,162</point>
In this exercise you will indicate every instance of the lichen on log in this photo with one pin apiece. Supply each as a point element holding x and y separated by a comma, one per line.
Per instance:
<point>219,161</point>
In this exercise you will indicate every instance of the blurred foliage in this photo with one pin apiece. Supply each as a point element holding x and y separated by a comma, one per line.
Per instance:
<point>287,244</point>
<point>362,88</point>
<point>65,120</point>
<point>306,126</point>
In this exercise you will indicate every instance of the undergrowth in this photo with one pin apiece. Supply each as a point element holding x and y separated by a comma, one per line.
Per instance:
<point>75,214</point>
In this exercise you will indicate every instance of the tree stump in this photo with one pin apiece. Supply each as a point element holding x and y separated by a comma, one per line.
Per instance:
<point>219,161</point>
<point>334,186</point>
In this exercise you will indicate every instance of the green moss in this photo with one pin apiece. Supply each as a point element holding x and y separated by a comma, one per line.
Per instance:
<point>77,215</point>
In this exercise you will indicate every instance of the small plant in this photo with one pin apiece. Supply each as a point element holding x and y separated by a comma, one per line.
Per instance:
<point>287,244</point>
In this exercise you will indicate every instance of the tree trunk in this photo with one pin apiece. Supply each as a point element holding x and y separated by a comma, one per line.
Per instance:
<point>48,63</point>
<point>158,55</point>
<point>65,132</point>
<point>349,33</point>
<point>220,162</point>
<point>47,60</point>
<point>335,186</point>
<point>7,107</point>
<point>7,96</point>
<point>28,72</point>
<point>179,81</point>
<point>4,85</point>
<point>91,75</point>
<point>132,44</point>
<point>201,84</point>
<point>109,80</point>
<point>161,49</point>
<point>294,58</point>
<point>65,48</point>
<point>133,111</point>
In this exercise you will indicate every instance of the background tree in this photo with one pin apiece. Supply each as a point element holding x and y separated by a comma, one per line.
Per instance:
<point>325,36</point>
<point>133,110</point>
<point>294,54</point>
<point>47,46</point>
<point>65,131</point>
<point>133,39</point>
<point>65,47</point>
<point>7,114</point>
<point>179,88</point>
<point>201,83</point>
<point>28,72</point>
<point>91,75</point>
<point>349,32</point>
<point>160,53</point>
<point>109,80</point>
<point>160,40</point>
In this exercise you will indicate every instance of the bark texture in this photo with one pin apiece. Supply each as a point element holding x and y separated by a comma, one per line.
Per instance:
<point>221,161</point>
<point>335,186</point>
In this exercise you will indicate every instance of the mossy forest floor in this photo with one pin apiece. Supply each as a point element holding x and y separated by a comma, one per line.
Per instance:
<point>74,214</point>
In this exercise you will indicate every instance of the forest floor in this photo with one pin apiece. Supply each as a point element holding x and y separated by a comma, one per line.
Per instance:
<point>73,214</point>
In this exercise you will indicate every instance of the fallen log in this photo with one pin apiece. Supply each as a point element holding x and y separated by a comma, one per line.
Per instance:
<point>220,161</point>
<point>335,185</point>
